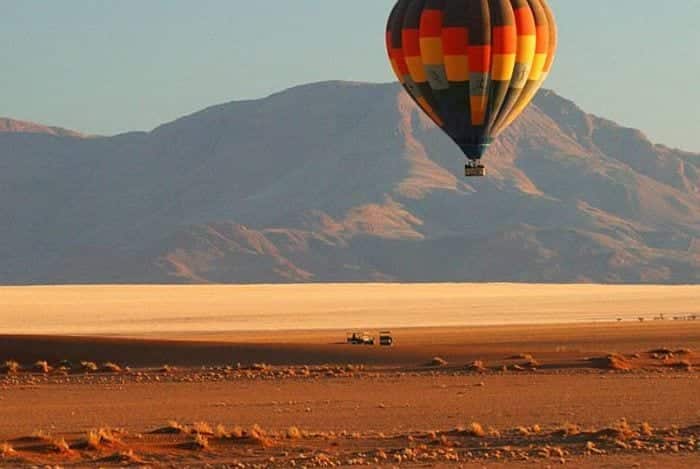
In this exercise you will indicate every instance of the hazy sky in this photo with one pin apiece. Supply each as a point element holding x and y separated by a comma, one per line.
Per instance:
<point>112,66</point>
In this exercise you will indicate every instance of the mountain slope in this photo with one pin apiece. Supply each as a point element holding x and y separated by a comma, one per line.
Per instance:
<point>348,182</point>
<point>15,126</point>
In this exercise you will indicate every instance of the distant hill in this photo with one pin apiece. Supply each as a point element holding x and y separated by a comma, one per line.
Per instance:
<point>347,182</point>
<point>15,126</point>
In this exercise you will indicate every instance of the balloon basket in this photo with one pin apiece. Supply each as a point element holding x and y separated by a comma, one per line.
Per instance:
<point>478,170</point>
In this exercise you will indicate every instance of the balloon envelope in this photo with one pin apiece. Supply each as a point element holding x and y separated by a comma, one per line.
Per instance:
<point>473,66</point>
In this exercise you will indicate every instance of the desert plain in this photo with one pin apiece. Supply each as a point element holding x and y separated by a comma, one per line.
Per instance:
<point>262,376</point>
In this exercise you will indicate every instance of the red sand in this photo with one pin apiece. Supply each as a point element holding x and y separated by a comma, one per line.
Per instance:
<point>391,404</point>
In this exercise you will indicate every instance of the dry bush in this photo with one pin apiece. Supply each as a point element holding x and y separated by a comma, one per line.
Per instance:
<point>592,449</point>
<point>42,366</point>
<point>646,429</point>
<point>7,451</point>
<point>110,367</point>
<point>220,432</point>
<point>88,367</point>
<point>612,361</point>
<point>172,428</point>
<point>166,369</point>
<point>198,442</point>
<point>568,429</point>
<point>293,433</point>
<point>661,351</point>
<point>438,361</point>
<point>237,433</point>
<point>621,431</point>
<point>96,439</point>
<point>11,367</point>
<point>477,366</point>
<point>92,441</point>
<point>125,458</point>
<point>260,367</point>
<point>524,431</point>
<point>521,356</point>
<point>59,445</point>
<point>259,436</point>
<point>256,431</point>
<point>39,435</point>
<point>531,364</point>
<point>474,429</point>
<point>527,431</point>
<point>202,428</point>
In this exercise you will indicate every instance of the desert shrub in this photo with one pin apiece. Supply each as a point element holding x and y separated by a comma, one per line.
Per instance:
<point>438,361</point>
<point>42,366</point>
<point>88,367</point>
<point>474,429</point>
<point>7,451</point>
<point>110,367</point>
<point>202,428</point>
<point>11,367</point>
<point>293,433</point>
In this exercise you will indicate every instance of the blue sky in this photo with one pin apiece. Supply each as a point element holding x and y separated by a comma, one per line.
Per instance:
<point>111,66</point>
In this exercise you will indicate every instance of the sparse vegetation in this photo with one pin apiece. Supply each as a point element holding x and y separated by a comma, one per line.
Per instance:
<point>621,431</point>
<point>613,361</point>
<point>522,356</point>
<point>202,428</point>
<point>88,367</point>
<point>531,364</point>
<point>11,367</point>
<point>200,441</point>
<point>293,433</point>
<point>40,435</point>
<point>438,362</point>
<point>646,429</point>
<point>42,366</point>
<point>59,445</point>
<point>110,367</point>
<point>473,429</point>
<point>96,439</point>
<point>477,367</point>
<point>528,431</point>
<point>259,436</point>
<point>220,432</point>
<point>127,457</point>
<point>568,429</point>
<point>7,451</point>
<point>661,351</point>
<point>172,428</point>
<point>526,443</point>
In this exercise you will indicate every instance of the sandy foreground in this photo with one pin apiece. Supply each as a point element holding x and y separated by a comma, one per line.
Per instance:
<point>590,394</point>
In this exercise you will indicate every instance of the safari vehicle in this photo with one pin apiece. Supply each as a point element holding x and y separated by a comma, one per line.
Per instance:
<point>359,338</point>
<point>386,339</point>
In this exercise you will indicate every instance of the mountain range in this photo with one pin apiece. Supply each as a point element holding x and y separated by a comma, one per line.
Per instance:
<point>346,182</point>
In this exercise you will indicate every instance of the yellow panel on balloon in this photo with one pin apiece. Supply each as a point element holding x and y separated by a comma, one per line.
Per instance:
<point>457,67</point>
<point>431,50</point>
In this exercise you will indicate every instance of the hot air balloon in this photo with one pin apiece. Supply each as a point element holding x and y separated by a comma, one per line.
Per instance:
<point>472,66</point>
